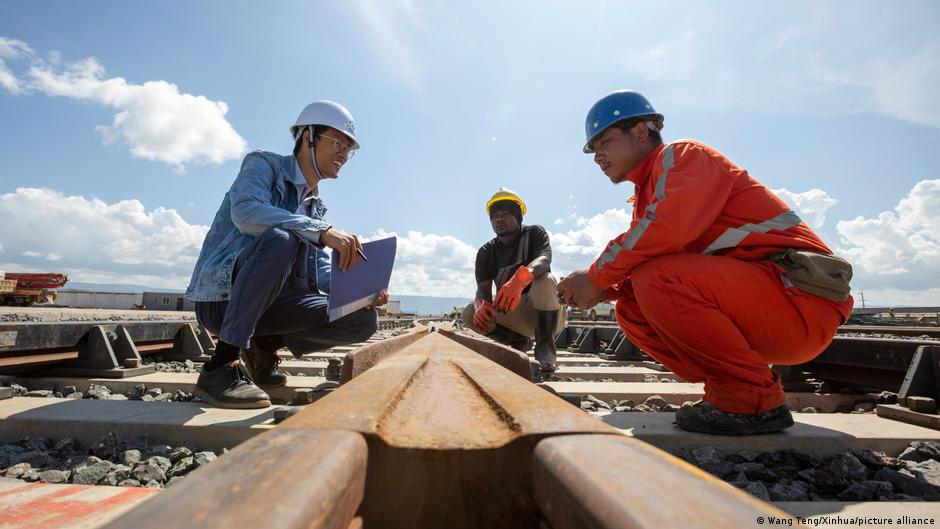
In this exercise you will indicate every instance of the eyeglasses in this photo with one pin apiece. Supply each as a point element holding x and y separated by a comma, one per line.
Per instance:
<point>338,146</point>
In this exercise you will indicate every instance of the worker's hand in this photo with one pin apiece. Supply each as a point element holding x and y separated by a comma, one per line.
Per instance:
<point>576,290</point>
<point>507,299</point>
<point>483,315</point>
<point>379,301</point>
<point>344,243</point>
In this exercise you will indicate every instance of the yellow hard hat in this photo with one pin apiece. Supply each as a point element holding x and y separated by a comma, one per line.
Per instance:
<point>505,194</point>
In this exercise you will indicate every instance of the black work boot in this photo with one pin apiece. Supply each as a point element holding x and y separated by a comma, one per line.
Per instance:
<point>262,366</point>
<point>705,417</point>
<point>230,386</point>
<point>545,323</point>
<point>507,336</point>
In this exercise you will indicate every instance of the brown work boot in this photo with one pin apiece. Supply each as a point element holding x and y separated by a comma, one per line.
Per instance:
<point>229,386</point>
<point>262,365</point>
<point>705,417</point>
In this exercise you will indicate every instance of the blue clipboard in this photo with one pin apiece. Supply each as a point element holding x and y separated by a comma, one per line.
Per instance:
<point>360,285</point>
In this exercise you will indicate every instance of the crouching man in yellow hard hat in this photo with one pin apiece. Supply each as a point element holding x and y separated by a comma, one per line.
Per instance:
<point>519,261</point>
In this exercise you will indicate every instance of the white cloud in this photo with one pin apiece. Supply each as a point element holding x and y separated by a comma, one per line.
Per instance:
<point>40,255</point>
<point>578,247</point>
<point>810,205</point>
<point>12,49</point>
<point>155,119</point>
<point>897,250</point>
<point>432,265</point>
<point>92,240</point>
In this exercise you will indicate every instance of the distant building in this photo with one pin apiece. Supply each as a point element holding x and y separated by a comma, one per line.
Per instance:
<point>167,301</point>
<point>89,299</point>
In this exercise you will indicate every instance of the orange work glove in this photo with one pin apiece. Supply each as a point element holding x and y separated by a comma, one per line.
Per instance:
<point>507,299</point>
<point>483,315</point>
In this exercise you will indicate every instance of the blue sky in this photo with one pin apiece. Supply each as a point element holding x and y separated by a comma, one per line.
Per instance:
<point>123,124</point>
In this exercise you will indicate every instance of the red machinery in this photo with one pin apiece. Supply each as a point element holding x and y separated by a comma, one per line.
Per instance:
<point>28,288</point>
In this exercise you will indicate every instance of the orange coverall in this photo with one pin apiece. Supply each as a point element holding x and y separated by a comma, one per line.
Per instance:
<point>693,289</point>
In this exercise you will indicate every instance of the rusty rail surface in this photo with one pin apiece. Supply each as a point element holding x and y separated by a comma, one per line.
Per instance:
<point>437,429</point>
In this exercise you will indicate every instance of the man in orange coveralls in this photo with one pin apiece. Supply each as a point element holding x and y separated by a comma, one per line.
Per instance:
<point>692,276</point>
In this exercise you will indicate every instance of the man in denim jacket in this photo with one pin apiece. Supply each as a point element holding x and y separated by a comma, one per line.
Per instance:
<point>262,279</point>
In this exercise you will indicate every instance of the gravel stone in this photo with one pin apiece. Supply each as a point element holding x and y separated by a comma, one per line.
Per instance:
<point>204,458</point>
<point>97,392</point>
<point>68,390</point>
<point>788,490</point>
<point>906,484</point>
<point>876,460</point>
<point>129,483</point>
<point>18,390</point>
<point>105,447</point>
<point>600,403</point>
<point>928,470</point>
<point>153,469</point>
<point>160,450</point>
<point>866,491</point>
<point>655,402</point>
<point>179,453</point>
<point>42,393</point>
<point>91,474</point>
<point>182,467</point>
<point>756,471</point>
<point>809,409</point>
<point>153,484</point>
<point>64,445</point>
<point>130,457</point>
<point>76,395</point>
<point>31,475</point>
<point>643,408</point>
<point>153,392</point>
<point>17,470</point>
<point>116,396</point>
<point>163,397</point>
<point>930,449</point>
<point>865,407</point>
<point>847,466</point>
<point>758,490</point>
<point>118,474</point>
<point>55,476</point>
<point>707,454</point>
<point>37,459</point>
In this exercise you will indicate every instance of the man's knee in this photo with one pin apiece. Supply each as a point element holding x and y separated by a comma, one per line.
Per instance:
<point>544,293</point>
<point>466,315</point>
<point>279,241</point>
<point>364,324</point>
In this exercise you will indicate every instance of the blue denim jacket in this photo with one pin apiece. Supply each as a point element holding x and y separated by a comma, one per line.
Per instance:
<point>262,197</point>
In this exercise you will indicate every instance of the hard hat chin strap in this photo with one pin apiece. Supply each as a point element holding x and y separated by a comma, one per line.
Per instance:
<point>313,153</point>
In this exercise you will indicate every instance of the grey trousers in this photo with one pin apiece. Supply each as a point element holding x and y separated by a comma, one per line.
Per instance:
<point>542,295</point>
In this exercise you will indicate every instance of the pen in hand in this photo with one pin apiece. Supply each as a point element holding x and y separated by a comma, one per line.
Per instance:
<point>364,258</point>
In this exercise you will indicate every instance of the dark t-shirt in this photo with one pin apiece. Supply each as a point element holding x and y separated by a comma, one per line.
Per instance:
<point>498,262</point>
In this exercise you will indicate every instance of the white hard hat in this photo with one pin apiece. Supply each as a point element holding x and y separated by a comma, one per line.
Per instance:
<point>326,113</point>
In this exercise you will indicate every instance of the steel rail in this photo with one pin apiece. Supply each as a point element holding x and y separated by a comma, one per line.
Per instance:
<point>435,434</point>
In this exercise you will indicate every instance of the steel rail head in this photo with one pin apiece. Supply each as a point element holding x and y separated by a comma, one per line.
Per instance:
<point>436,393</point>
<point>284,479</point>
<point>616,482</point>
<point>359,360</point>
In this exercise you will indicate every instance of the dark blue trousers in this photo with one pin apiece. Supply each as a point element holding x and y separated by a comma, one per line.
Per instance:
<point>271,296</point>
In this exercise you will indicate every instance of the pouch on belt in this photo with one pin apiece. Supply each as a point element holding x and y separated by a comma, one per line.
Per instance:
<point>826,276</point>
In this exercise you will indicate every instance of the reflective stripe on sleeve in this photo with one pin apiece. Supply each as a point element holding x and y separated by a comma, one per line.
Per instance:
<point>615,248</point>
<point>733,236</point>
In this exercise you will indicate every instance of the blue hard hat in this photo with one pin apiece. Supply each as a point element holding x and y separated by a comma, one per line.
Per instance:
<point>617,106</point>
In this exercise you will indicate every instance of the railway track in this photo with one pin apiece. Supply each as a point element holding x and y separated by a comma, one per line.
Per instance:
<point>434,428</point>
